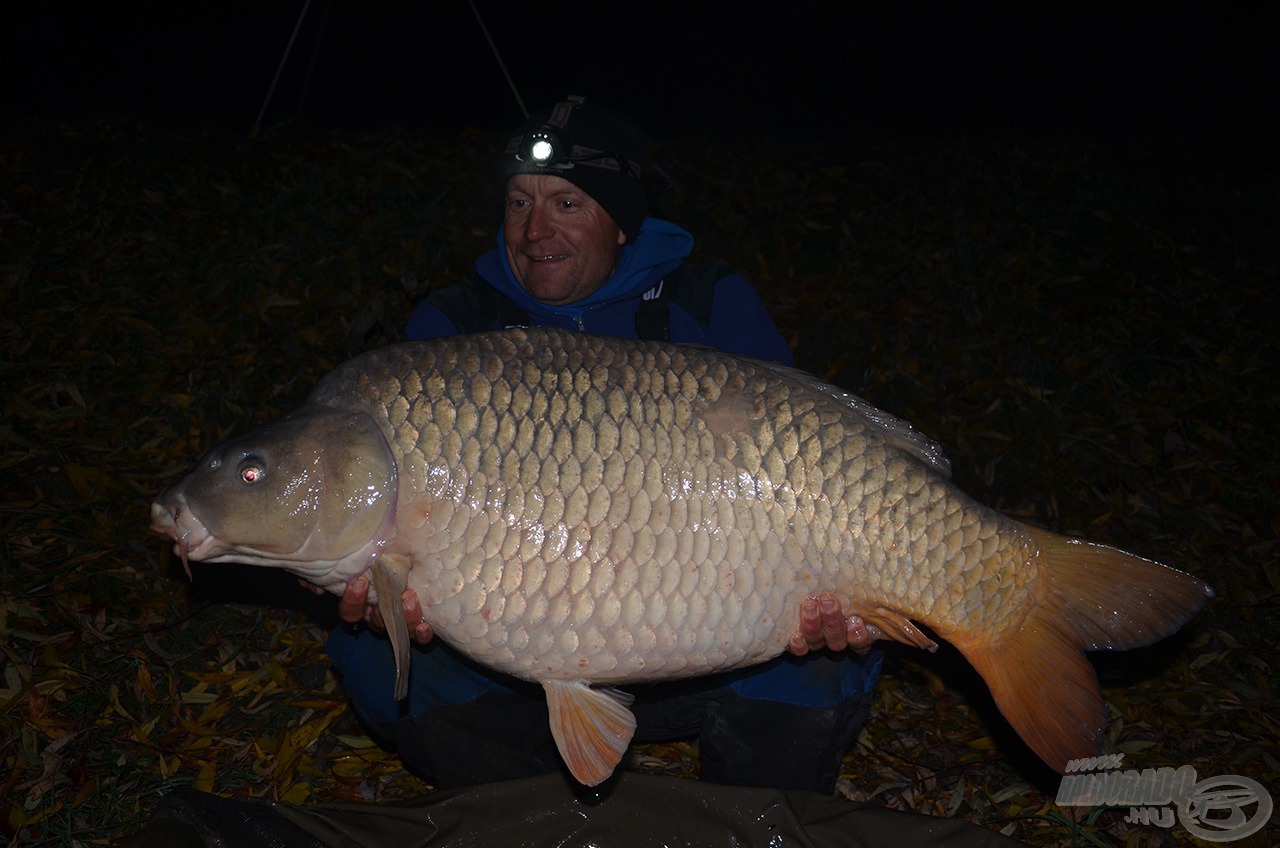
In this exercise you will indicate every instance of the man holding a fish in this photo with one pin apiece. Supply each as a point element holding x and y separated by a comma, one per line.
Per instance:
<point>577,251</point>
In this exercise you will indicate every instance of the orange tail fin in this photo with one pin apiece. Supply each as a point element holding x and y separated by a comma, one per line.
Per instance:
<point>1097,598</point>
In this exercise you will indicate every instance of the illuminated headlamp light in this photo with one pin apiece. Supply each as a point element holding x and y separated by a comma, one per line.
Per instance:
<point>545,148</point>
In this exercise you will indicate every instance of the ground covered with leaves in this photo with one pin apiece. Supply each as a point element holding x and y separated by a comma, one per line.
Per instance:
<point>1088,326</point>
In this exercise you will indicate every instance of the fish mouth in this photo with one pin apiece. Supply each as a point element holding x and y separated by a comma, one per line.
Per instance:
<point>172,517</point>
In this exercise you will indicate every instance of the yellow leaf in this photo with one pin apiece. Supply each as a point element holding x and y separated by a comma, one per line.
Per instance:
<point>75,394</point>
<point>277,673</point>
<point>269,689</point>
<point>83,479</point>
<point>298,793</point>
<point>142,732</point>
<point>350,767</point>
<point>983,743</point>
<point>136,323</point>
<point>356,741</point>
<point>299,739</point>
<point>204,780</point>
<point>113,695</point>
<point>145,687</point>
<point>88,790</point>
<point>216,711</point>
<point>286,768</point>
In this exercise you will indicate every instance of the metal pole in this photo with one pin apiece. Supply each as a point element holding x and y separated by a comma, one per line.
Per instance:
<point>257,125</point>
<point>498,56</point>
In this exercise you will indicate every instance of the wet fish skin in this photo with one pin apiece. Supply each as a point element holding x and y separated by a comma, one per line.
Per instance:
<point>587,511</point>
<point>328,496</point>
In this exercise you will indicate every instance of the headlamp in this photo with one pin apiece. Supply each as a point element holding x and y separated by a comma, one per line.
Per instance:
<point>544,147</point>
<point>549,147</point>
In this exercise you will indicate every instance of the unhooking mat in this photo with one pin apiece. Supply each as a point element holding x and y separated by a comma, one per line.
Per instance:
<point>636,811</point>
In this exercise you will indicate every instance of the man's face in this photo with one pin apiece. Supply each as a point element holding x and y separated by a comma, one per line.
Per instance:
<point>561,244</point>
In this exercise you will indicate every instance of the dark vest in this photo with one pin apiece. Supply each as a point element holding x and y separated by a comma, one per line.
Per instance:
<point>475,306</point>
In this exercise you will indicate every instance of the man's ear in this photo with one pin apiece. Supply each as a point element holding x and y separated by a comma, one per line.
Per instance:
<point>622,237</point>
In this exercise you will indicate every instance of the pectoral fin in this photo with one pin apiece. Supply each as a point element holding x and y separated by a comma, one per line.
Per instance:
<point>390,576</point>
<point>592,727</point>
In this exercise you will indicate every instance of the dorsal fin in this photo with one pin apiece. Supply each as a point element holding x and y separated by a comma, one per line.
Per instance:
<point>899,433</point>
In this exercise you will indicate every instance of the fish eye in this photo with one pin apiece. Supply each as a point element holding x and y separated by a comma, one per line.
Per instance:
<point>251,470</point>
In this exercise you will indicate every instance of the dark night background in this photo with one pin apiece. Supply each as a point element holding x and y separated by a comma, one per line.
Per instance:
<point>1044,232</point>
<point>803,70</point>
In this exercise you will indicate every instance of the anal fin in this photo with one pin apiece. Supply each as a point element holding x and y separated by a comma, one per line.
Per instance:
<point>390,576</point>
<point>592,727</point>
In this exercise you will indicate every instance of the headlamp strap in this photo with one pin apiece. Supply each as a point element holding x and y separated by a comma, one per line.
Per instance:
<point>560,114</point>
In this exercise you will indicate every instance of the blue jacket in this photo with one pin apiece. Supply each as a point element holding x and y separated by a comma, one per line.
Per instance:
<point>739,322</point>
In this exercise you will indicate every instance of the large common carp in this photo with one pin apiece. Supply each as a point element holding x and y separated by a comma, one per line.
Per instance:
<point>589,511</point>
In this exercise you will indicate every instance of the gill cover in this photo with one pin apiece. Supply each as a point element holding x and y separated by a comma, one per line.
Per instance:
<point>317,485</point>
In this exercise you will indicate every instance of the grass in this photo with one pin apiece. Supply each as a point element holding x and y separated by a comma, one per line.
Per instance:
<point>1087,325</point>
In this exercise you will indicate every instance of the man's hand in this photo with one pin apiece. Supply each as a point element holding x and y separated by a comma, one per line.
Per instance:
<point>823,625</point>
<point>354,607</point>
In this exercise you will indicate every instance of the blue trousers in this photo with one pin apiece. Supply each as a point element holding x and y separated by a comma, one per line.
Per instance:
<point>784,724</point>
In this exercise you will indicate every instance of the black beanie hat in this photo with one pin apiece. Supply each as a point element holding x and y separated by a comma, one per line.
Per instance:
<point>601,152</point>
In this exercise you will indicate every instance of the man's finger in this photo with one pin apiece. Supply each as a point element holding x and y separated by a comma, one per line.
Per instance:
<point>422,632</point>
<point>419,629</point>
<point>811,624</point>
<point>859,634</point>
<point>834,627</point>
<point>351,607</point>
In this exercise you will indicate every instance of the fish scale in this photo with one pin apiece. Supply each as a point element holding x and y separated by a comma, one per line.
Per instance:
<point>589,511</point>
